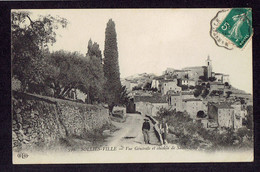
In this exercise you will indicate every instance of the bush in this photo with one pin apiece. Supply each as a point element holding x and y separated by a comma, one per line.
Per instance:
<point>192,135</point>
<point>205,93</point>
<point>136,88</point>
<point>191,87</point>
<point>198,90</point>
<point>203,78</point>
<point>184,87</point>
<point>212,79</point>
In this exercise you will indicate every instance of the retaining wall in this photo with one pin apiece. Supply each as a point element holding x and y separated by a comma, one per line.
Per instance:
<point>39,121</point>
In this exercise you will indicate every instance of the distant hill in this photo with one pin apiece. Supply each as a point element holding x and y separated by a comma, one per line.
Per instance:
<point>140,76</point>
<point>237,91</point>
<point>141,79</point>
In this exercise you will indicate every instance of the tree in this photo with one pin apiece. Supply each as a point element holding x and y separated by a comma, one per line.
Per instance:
<point>226,84</point>
<point>191,87</point>
<point>30,39</point>
<point>136,88</point>
<point>208,85</point>
<point>154,89</point>
<point>124,99</point>
<point>212,79</point>
<point>184,87</point>
<point>203,78</point>
<point>96,89</point>
<point>147,86</point>
<point>66,71</point>
<point>250,117</point>
<point>198,90</point>
<point>205,93</point>
<point>94,51</point>
<point>228,93</point>
<point>111,66</point>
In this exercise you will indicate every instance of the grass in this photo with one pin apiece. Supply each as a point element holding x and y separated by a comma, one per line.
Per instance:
<point>93,139</point>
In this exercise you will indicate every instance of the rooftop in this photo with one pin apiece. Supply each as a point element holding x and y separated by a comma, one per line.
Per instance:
<point>170,80</point>
<point>156,98</point>
<point>223,105</point>
<point>178,94</point>
<point>193,67</point>
<point>187,79</point>
<point>216,83</point>
<point>191,100</point>
<point>180,70</point>
<point>158,78</point>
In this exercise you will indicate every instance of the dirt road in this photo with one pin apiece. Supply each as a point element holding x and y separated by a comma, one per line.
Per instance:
<point>130,132</point>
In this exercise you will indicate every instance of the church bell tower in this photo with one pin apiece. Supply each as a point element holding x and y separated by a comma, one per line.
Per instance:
<point>209,67</point>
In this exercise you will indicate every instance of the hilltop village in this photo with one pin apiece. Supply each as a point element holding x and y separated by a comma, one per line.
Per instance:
<point>204,94</point>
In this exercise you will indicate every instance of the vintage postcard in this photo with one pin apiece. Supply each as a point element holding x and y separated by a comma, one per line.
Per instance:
<point>132,85</point>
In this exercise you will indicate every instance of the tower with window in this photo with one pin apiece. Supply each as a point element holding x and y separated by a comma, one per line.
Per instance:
<point>209,67</point>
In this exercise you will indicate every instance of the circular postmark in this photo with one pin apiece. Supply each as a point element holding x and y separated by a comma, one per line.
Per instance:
<point>220,39</point>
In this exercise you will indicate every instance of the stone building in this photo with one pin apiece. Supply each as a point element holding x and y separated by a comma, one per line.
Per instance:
<point>222,78</point>
<point>185,101</point>
<point>216,86</point>
<point>188,82</point>
<point>180,74</point>
<point>226,114</point>
<point>240,113</point>
<point>150,105</point>
<point>193,106</point>
<point>155,84</point>
<point>225,78</point>
<point>170,85</point>
<point>195,72</point>
<point>169,71</point>
<point>129,84</point>
<point>175,101</point>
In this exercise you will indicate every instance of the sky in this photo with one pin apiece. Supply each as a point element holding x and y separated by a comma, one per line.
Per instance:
<point>150,40</point>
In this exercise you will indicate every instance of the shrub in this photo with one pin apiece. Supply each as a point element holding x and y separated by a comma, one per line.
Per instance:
<point>212,79</point>
<point>205,93</point>
<point>191,87</point>
<point>184,87</point>
<point>192,135</point>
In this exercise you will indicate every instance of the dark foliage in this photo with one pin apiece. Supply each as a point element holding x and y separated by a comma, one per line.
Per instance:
<point>111,66</point>
<point>30,39</point>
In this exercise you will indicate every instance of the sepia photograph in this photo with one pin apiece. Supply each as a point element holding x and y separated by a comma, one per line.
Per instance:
<point>132,85</point>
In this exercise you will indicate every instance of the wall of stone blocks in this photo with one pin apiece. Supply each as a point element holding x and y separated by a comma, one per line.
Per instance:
<point>39,121</point>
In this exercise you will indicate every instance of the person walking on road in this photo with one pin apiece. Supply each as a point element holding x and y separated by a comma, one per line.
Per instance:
<point>164,131</point>
<point>145,129</point>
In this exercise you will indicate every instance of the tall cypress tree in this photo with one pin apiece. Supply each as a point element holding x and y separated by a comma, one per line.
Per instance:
<point>111,67</point>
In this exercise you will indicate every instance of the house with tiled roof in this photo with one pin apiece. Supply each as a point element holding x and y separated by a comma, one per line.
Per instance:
<point>150,105</point>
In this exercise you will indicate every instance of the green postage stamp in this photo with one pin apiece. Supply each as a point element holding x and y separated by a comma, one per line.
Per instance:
<point>237,26</point>
<point>232,28</point>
